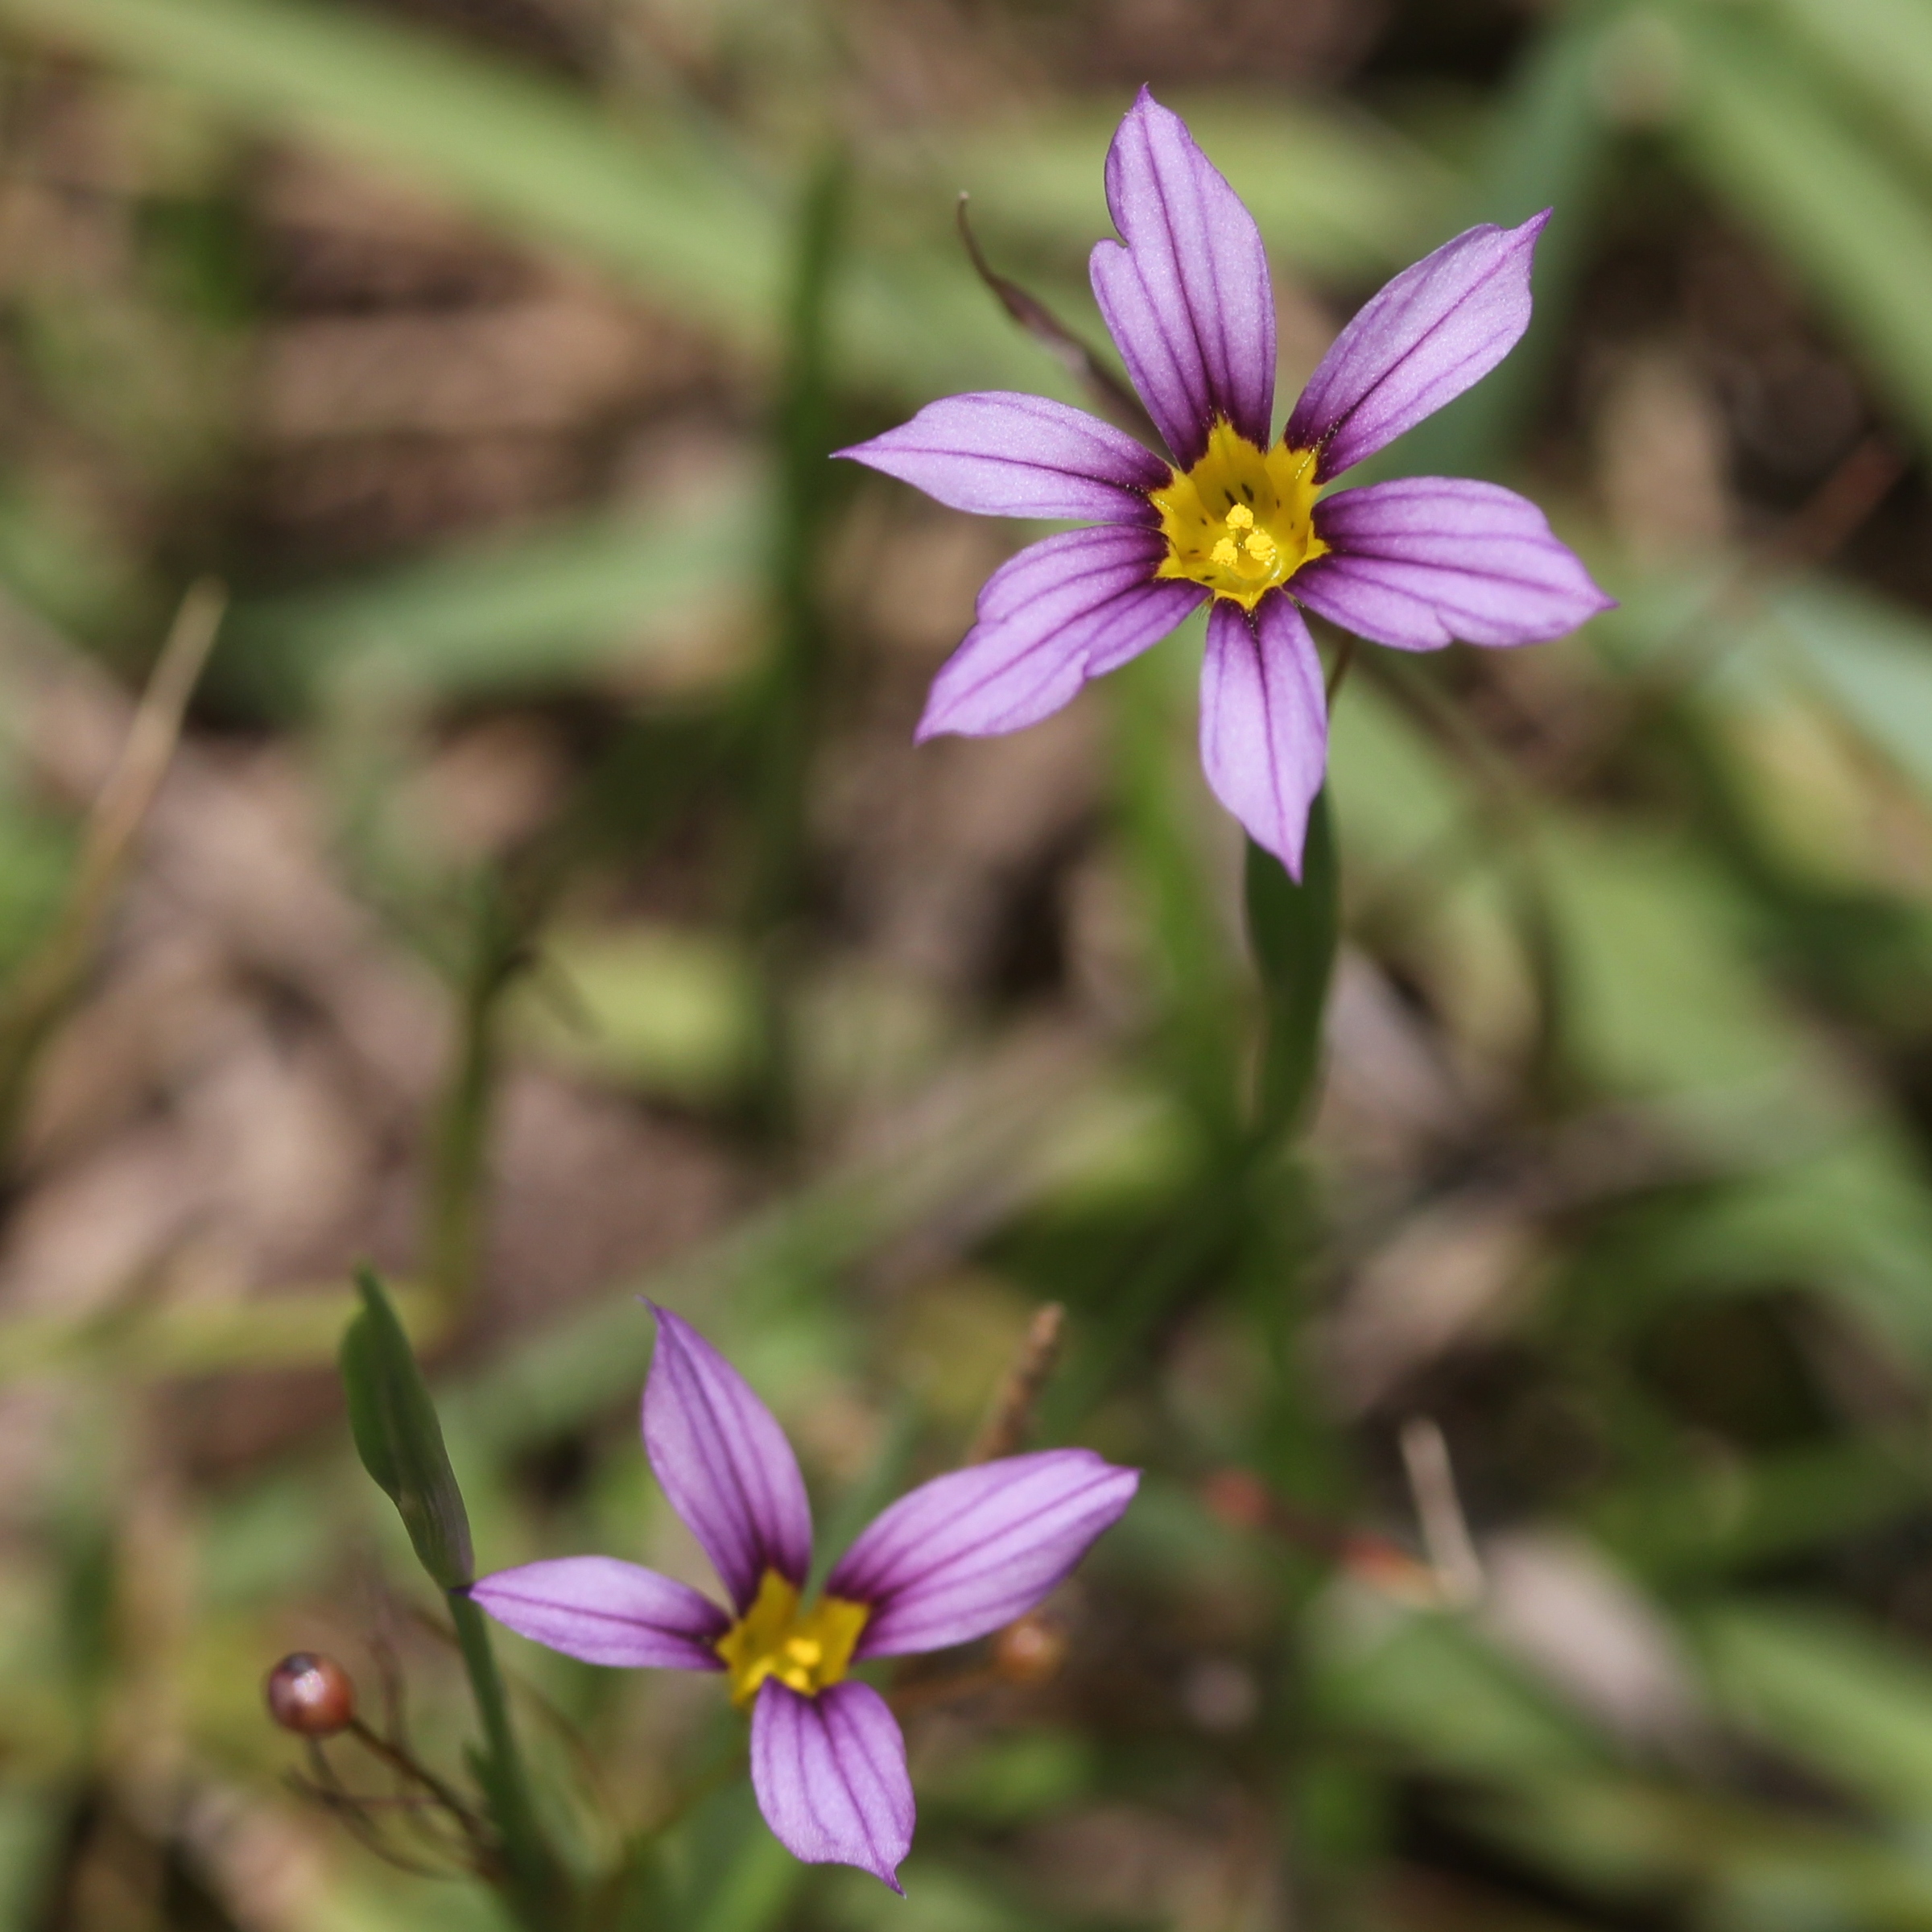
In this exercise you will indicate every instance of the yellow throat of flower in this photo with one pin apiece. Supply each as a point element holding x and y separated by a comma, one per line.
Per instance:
<point>806,1653</point>
<point>1242,520</point>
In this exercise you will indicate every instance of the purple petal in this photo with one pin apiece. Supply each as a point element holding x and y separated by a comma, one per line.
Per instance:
<point>830,1773</point>
<point>967,1553</point>
<point>1065,610</point>
<point>1420,562</point>
<point>1002,454</point>
<point>1187,299</point>
<point>724,1463</point>
<point>1264,720</point>
<point>607,1612</point>
<point>1439,326</point>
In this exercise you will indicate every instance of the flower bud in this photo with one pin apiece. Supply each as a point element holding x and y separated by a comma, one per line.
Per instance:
<point>1030,1651</point>
<point>1238,1498</point>
<point>310,1694</point>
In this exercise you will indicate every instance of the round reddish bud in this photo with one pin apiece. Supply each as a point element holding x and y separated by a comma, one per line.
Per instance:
<point>1238,1498</point>
<point>310,1694</point>
<point>1030,1651</point>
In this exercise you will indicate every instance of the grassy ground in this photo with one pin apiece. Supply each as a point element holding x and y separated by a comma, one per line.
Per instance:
<point>542,897</point>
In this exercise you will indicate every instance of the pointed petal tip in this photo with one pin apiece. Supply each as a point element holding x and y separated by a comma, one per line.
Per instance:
<point>1000,453</point>
<point>724,1463</point>
<point>829,1773</point>
<point>670,1324</point>
<point>1527,234</point>
<point>1185,292</point>
<point>1421,562</point>
<point>969,1551</point>
<point>1288,856</point>
<point>1427,335</point>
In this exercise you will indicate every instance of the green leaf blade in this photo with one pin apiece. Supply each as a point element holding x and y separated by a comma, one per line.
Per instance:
<point>400,1441</point>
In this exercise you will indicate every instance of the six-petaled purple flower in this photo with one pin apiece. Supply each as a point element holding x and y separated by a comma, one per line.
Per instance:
<point>955,1559</point>
<point>1414,564</point>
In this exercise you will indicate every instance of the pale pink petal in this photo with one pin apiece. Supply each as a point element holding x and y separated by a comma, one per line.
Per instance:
<point>1264,721</point>
<point>1426,559</point>
<point>1187,298</point>
<point>1441,324</point>
<point>724,1463</point>
<point>967,1552</point>
<point>607,1612</point>
<point>1063,610</point>
<point>1002,454</point>
<point>830,1777</point>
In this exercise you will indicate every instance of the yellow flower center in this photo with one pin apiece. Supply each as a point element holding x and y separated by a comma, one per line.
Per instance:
<point>806,1653</point>
<point>1242,520</point>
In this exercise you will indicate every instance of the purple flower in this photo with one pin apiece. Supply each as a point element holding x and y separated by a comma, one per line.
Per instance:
<point>956,1558</point>
<point>1416,563</point>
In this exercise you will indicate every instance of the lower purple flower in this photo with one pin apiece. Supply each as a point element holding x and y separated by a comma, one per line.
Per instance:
<point>1235,520</point>
<point>952,1561</point>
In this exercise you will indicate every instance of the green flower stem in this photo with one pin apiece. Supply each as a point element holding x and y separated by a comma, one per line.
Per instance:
<point>44,986</point>
<point>534,1880</point>
<point>1292,932</point>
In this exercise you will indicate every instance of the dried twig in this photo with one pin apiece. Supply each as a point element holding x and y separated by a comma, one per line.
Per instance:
<point>1438,1511</point>
<point>1008,1422</point>
<point>1007,1426</point>
<point>1241,1499</point>
<point>357,1815</point>
<point>400,1761</point>
<point>47,979</point>
<point>1110,395</point>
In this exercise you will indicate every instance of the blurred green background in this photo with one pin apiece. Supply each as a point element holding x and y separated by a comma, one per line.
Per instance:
<point>545,900</point>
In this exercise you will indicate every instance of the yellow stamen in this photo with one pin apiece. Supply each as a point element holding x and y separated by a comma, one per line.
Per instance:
<point>807,1654</point>
<point>1242,520</point>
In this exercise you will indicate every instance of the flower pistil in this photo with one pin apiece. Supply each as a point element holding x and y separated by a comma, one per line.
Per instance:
<point>807,1654</point>
<point>1242,520</point>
